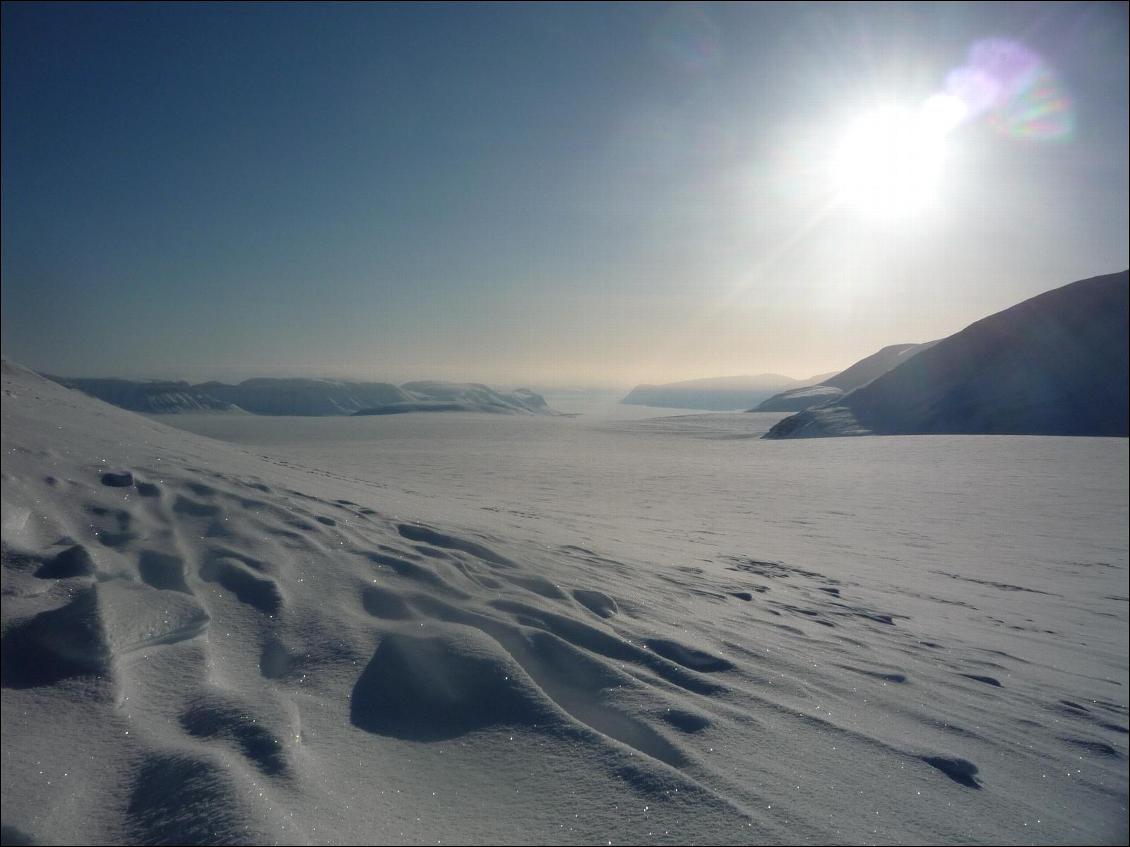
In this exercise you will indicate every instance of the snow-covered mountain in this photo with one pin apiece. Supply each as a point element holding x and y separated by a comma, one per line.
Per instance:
<point>796,399</point>
<point>727,393</point>
<point>836,386</point>
<point>1055,364</point>
<point>269,396</point>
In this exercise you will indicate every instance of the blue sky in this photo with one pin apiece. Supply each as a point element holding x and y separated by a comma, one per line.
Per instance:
<point>547,194</point>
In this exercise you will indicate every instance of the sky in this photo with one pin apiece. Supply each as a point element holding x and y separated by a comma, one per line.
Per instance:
<point>545,194</point>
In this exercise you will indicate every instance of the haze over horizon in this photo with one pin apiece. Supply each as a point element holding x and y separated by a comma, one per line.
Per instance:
<point>561,195</point>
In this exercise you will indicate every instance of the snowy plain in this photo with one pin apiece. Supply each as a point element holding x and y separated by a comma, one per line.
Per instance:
<point>622,627</point>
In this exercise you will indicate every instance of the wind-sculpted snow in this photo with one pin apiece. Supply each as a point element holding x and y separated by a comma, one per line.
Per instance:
<point>239,647</point>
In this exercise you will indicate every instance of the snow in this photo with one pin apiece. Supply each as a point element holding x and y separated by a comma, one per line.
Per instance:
<point>799,399</point>
<point>273,396</point>
<point>481,628</point>
<point>1055,364</point>
<point>836,385</point>
<point>728,393</point>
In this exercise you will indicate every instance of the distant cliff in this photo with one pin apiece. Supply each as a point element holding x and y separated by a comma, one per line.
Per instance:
<point>308,397</point>
<point>730,393</point>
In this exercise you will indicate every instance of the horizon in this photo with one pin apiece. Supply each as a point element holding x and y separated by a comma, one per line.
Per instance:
<point>376,378</point>
<point>236,375</point>
<point>555,197</point>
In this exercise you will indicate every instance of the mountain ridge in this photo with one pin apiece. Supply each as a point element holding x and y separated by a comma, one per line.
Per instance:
<point>727,393</point>
<point>839,384</point>
<point>305,397</point>
<point>1054,364</point>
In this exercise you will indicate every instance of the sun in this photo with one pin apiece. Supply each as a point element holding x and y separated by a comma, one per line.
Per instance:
<point>888,165</point>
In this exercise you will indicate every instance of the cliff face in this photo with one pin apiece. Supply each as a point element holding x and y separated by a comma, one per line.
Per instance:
<point>160,398</point>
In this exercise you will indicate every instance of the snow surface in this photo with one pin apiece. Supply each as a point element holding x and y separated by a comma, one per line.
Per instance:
<point>473,628</point>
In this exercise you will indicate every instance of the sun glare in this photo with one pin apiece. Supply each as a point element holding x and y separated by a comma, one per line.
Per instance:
<point>889,163</point>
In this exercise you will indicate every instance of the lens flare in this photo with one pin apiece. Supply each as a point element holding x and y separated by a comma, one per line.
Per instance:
<point>1040,111</point>
<point>889,165</point>
<point>1015,89</point>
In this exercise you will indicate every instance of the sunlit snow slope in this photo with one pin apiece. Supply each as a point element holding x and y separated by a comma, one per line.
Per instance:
<point>207,643</point>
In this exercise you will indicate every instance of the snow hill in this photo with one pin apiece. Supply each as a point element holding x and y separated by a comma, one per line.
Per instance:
<point>861,373</point>
<point>303,397</point>
<point>203,647</point>
<point>1053,365</point>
